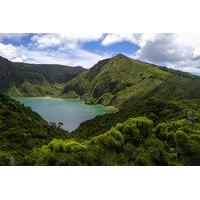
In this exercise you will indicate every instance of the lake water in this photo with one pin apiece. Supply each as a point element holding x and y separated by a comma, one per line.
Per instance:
<point>70,112</point>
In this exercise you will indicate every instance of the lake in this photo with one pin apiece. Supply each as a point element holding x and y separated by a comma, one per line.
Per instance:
<point>68,111</point>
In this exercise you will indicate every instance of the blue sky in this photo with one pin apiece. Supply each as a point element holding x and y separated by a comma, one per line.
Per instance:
<point>178,51</point>
<point>116,48</point>
<point>22,40</point>
<point>93,46</point>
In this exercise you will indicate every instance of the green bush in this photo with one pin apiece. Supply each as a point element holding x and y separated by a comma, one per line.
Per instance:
<point>73,146</point>
<point>144,125</point>
<point>119,126</point>
<point>133,142</point>
<point>112,139</point>
<point>181,141</point>
<point>131,133</point>
<point>194,145</point>
<point>192,150</point>
<point>56,145</point>
<point>142,158</point>
<point>157,151</point>
<point>5,158</point>
<point>161,131</point>
<point>136,129</point>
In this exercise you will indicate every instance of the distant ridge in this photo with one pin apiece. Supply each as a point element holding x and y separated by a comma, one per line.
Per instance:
<point>23,79</point>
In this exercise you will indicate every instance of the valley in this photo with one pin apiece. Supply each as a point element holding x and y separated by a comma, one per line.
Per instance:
<point>22,79</point>
<point>157,121</point>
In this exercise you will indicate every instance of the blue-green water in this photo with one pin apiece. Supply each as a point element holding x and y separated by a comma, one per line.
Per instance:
<point>70,112</point>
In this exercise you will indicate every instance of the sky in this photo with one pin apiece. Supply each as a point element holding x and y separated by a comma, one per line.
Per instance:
<point>177,51</point>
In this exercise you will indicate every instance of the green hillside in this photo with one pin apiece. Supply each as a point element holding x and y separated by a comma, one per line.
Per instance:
<point>157,121</point>
<point>116,80</point>
<point>21,129</point>
<point>168,137</point>
<point>21,79</point>
<point>157,110</point>
<point>163,95</point>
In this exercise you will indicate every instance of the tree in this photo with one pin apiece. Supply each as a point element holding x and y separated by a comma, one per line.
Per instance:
<point>60,124</point>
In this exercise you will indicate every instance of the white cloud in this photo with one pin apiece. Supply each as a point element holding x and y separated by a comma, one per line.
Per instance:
<point>63,41</point>
<point>115,38</point>
<point>165,48</point>
<point>46,40</point>
<point>71,57</point>
<point>17,59</point>
<point>135,38</point>
<point>7,50</point>
<point>178,51</point>
<point>141,39</point>
<point>192,40</point>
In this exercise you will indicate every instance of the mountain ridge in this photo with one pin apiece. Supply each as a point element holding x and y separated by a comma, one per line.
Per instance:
<point>114,80</point>
<point>24,79</point>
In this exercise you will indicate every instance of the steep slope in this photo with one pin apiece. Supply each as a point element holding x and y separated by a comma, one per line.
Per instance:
<point>162,94</point>
<point>157,110</point>
<point>53,73</point>
<point>119,79</point>
<point>22,129</point>
<point>21,79</point>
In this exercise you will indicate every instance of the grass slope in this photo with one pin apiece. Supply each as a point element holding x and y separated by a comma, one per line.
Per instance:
<point>21,79</point>
<point>119,79</point>
<point>157,110</point>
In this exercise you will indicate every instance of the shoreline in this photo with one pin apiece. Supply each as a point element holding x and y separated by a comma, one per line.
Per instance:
<point>113,108</point>
<point>70,101</point>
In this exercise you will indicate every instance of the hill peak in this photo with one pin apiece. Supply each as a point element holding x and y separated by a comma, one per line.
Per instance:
<point>120,55</point>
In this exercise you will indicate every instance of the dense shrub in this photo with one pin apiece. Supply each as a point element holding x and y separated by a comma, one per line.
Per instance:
<point>131,133</point>
<point>133,142</point>
<point>136,129</point>
<point>144,125</point>
<point>73,146</point>
<point>112,139</point>
<point>21,129</point>
<point>142,158</point>
<point>5,158</point>
<point>56,145</point>
<point>194,144</point>
<point>156,151</point>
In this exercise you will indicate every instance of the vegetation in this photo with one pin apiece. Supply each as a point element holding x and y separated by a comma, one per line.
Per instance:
<point>21,79</point>
<point>157,122</point>
<point>120,79</point>
<point>134,142</point>
<point>157,110</point>
<point>21,129</point>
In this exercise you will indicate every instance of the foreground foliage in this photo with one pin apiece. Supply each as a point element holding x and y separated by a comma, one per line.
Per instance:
<point>21,129</point>
<point>134,142</point>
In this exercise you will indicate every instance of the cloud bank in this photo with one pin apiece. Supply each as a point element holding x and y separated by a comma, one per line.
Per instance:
<point>178,51</point>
